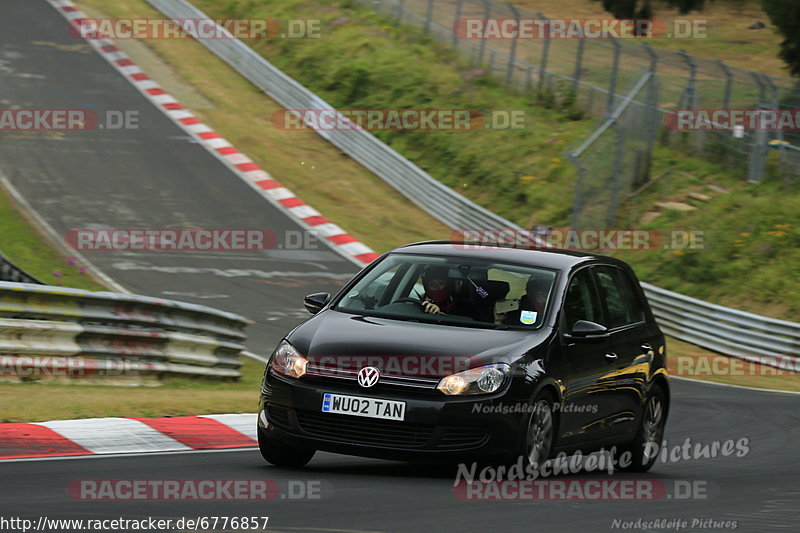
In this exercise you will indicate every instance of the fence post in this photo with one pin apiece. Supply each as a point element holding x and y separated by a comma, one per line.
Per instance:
<point>758,148</point>
<point>487,13</point>
<point>529,80</point>
<point>545,52</point>
<point>576,76</point>
<point>456,17</point>
<point>652,99</point>
<point>512,56</point>
<point>726,102</point>
<point>577,200</point>
<point>612,83</point>
<point>401,11</point>
<point>428,17</point>
<point>689,90</point>
<point>778,133</point>
<point>653,57</point>
<point>619,141</point>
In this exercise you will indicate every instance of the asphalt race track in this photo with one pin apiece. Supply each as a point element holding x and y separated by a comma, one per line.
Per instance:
<point>155,177</point>
<point>759,490</point>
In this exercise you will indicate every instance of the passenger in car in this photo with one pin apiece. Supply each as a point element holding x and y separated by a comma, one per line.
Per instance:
<point>533,300</point>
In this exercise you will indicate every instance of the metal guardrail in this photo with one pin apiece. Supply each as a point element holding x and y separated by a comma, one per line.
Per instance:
<point>714,327</point>
<point>114,334</point>
<point>728,331</point>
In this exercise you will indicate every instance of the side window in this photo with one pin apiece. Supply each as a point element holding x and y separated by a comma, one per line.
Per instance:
<point>580,302</point>
<point>619,297</point>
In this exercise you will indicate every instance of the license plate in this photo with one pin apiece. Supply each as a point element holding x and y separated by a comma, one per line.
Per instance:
<point>360,406</point>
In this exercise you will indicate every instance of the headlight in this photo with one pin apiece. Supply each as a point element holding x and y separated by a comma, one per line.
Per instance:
<point>287,361</point>
<point>481,380</point>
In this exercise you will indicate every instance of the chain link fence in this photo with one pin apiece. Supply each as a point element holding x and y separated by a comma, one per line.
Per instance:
<point>595,75</point>
<point>615,159</point>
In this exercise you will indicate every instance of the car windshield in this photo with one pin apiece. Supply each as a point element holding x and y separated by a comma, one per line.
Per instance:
<point>466,292</point>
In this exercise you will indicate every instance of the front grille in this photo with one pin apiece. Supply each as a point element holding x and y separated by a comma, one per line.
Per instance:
<point>364,431</point>
<point>397,380</point>
<point>360,430</point>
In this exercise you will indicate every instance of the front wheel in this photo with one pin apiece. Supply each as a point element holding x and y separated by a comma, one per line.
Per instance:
<point>644,447</point>
<point>539,434</point>
<point>283,455</point>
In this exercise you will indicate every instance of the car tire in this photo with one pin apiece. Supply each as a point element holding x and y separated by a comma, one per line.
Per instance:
<point>283,455</point>
<point>644,447</point>
<point>537,442</point>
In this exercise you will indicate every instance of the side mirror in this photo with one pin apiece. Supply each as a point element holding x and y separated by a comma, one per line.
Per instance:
<point>315,302</point>
<point>588,331</point>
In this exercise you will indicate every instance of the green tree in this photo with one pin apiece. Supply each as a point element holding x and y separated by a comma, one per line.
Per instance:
<point>785,15</point>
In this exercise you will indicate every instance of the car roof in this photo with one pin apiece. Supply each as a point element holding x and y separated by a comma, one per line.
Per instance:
<point>552,258</point>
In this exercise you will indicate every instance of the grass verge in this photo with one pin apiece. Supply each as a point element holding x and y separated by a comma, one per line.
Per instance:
<point>26,246</point>
<point>41,401</point>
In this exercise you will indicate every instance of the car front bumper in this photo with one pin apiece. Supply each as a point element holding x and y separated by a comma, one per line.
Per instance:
<point>435,425</point>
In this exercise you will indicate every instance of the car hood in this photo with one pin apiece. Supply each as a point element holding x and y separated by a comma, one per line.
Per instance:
<point>333,333</point>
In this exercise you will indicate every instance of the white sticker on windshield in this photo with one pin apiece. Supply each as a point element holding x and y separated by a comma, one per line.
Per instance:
<point>528,317</point>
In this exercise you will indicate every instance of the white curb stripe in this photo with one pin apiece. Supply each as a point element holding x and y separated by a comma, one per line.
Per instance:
<point>114,435</point>
<point>243,423</point>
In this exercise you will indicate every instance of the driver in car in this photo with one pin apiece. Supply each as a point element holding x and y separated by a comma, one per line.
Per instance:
<point>438,297</point>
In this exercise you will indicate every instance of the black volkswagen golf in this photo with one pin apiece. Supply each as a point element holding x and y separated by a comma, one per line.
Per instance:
<point>456,350</point>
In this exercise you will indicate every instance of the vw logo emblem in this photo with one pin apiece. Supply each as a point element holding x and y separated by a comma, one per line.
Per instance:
<point>368,376</point>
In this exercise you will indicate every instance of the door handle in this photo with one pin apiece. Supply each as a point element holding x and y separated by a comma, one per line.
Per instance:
<point>611,357</point>
<point>648,349</point>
